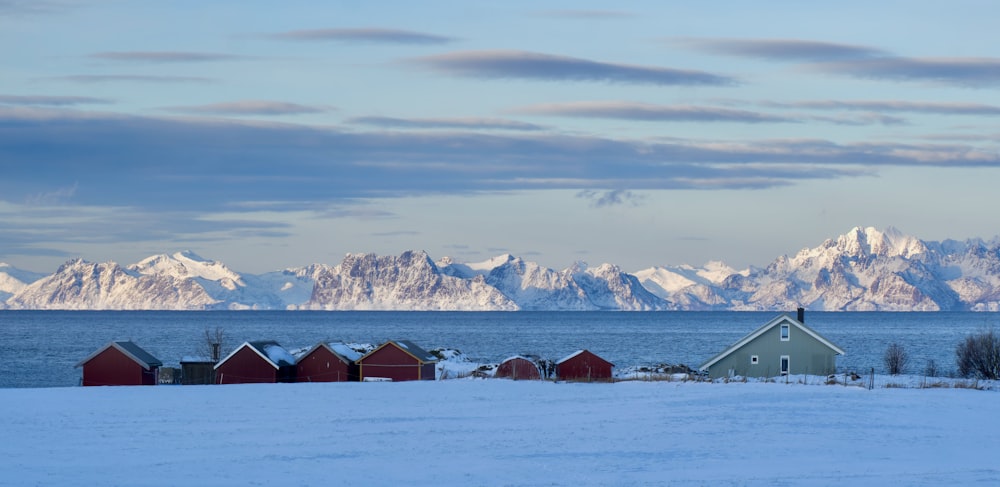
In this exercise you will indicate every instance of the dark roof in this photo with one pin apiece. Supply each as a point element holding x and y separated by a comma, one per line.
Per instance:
<point>422,356</point>
<point>416,351</point>
<point>344,352</point>
<point>274,352</point>
<point>131,350</point>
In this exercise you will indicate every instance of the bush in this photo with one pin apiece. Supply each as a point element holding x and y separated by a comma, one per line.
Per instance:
<point>932,369</point>
<point>896,359</point>
<point>979,356</point>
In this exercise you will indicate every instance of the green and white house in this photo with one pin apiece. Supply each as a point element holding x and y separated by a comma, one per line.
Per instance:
<point>783,346</point>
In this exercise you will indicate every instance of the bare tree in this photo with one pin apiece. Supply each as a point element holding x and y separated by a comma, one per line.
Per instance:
<point>931,370</point>
<point>979,356</point>
<point>895,358</point>
<point>214,343</point>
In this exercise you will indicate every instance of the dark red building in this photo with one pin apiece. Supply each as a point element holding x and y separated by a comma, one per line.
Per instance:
<point>256,362</point>
<point>120,364</point>
<point>328,362</point>
<point>398,360</point>
<point>518,368</point>
<point>584,366</point>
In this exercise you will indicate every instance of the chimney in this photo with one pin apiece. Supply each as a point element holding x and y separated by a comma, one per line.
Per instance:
<point>802,314</point>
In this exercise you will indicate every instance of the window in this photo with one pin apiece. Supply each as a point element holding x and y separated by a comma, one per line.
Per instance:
<point>784,333</point>
<point>754,360</point>
<point>784,365</point>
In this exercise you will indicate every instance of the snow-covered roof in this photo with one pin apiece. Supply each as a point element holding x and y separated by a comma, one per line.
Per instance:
<point>782,318</point>
<point>412,349</point>
<point>578,352</point>
<point>269,350</point>
<point>130,350</point>
<point>343,350</point>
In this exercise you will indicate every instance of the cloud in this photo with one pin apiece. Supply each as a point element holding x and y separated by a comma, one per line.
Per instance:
<point>648,112</point>
<point>164,56</point>
<point>781,49</point>
<point>547,67</point>
<point>939,108</point>
<point>445,123</point>
<point>249,107</point>
<point>146,163</point>
<point>968,72</point>
<point>365,35</point>
<point>603,199</point>
<point>51,100</point>
<point>128,78</point>
<point>585,14</point>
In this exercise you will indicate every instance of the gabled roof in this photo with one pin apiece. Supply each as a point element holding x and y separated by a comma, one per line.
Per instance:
<point>341,350</point>
<point>411,349</point>
<point>268,350</point>
<point>130,350</point>
<point>780,319</point>
<point>578,352</point>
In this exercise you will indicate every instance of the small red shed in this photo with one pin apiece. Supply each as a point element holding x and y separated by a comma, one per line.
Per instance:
<point>256,362</point>
<point>584,365</point>
<point>397,360</point>
<point>518,368</point>
<point>120,364</point>
<point>328,362</point>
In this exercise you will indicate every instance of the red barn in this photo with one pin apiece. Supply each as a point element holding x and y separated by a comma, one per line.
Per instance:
<point>328,362</point>
<point>518,368</point>
<point>584,366</point>
<point>398,360</point>
<point>256,362</point>
<point>120,364</point>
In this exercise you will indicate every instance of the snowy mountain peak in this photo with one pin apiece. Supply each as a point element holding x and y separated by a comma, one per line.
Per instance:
<point>871,241</point>
<point>187,264</point>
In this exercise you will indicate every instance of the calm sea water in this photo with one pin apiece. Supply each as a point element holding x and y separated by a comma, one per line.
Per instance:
<point>42,348</point>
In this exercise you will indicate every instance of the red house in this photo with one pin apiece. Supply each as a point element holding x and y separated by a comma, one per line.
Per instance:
<point>398,360</point>
<point>256,362</point>
<point>518,368</point>
<point>120,364</point>
<point>328,362</point>
<point>584,366</point>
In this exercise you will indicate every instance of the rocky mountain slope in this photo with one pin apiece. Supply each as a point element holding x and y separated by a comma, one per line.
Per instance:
<point>863,270</point>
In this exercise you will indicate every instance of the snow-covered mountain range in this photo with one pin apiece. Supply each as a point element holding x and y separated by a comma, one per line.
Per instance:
<point>863,270</point>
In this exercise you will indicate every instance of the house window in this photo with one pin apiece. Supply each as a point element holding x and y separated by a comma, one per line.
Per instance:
<point>754,360</point>
<point>784,333</point>
<point>784,365</point>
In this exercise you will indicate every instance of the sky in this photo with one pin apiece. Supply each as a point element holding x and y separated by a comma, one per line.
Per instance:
<point>269,135</point>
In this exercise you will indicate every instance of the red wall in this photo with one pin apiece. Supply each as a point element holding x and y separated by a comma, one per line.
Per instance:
<point>585,366</point>
<point>113,368</point>
<point>323,366</point>
<point>518,369</point>
<point>391,362</point>
<point>245,367</point>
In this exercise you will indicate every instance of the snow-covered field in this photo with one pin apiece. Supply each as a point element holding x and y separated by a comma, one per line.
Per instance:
<point>499,432</point>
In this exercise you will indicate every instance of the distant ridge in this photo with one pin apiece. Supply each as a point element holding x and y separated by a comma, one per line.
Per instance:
<point>865,269</point>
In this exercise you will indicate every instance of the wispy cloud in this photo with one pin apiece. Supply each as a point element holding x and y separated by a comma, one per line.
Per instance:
<point>250,107</point>
<point>617,197</point>
<point>51,100</point>
<point>130,78</point>
<point>363,35</point>
<point>164,56</point>
<point>445,123</point>
<point>968,72</point>
<point>143,163</point>
<point>648,112</point>
<point>939,108</point>
<point>585,14</point>
<point>536,66</point>
<point>781,49</point>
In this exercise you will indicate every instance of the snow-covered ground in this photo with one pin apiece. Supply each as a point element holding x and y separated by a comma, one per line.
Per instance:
<point>499,432</point>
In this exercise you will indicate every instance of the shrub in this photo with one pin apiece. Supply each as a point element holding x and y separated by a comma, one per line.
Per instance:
<point>931,370</point>
<point>895,358</point>
<point>978,356</point>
